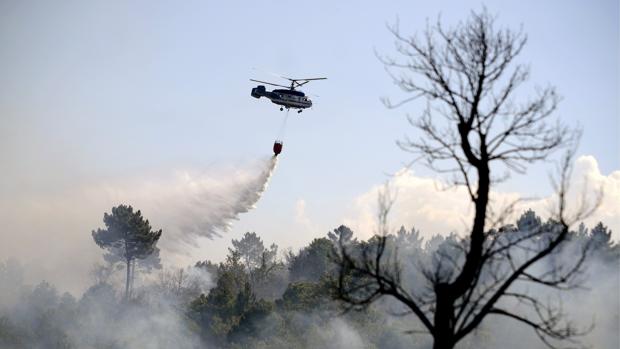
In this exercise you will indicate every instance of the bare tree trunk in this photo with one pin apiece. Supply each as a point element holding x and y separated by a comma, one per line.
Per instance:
<point>132,277</point>
<point>127,279</point>
<point>180,284</point>
<point>444,332</point>
<point>443,342</point>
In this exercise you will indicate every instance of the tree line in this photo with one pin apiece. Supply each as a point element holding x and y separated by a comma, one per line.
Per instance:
<point>259,296</point>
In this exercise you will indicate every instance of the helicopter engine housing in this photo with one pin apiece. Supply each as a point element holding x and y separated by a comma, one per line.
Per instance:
<point>258,91</point>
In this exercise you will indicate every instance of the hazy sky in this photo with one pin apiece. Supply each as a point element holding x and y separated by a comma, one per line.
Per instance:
<point>92,92</point>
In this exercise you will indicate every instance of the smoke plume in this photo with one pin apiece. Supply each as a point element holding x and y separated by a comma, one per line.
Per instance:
<point>187,204</point>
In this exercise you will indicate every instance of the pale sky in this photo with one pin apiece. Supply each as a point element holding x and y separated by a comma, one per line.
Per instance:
<point>93,92</point>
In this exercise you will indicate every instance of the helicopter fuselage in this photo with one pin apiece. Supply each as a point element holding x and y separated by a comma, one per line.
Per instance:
<point>286,98</point>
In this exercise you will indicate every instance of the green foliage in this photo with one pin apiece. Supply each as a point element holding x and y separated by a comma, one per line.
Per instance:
<point>266,274</point>
<point>313,262</point>
<point>299,296</point>
<point>341,234</point>
<point>128,237</point>
<point>603,246</point>
<point>222,309</point>
<point>528,221</point>
<point>41,321</point>
<point>305,296</point>
<point>97,298</point>
<point>251,250</point>
<point>237,312</point>
<point>11,336</point>
<point>252,324</point>
<point>233,313</point>
<point>127,234</point>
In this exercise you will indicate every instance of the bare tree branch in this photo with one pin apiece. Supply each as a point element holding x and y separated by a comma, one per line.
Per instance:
<point>470,127</point>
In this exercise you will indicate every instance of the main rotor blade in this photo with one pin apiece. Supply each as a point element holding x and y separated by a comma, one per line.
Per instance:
<point>310,79</point>
<point>313,79</point>
<point>269,83</point>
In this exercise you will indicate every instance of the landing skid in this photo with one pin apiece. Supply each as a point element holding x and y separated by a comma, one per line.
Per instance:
<point>287,109</point>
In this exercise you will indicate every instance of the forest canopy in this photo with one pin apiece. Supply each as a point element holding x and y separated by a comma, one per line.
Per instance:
<point>262,298</point>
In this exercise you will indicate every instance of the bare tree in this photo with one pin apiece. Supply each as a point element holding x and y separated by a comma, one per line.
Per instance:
<point>471,128</point>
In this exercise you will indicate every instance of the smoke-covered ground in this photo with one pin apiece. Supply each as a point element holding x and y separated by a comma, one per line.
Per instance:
<point>40,317</point>
<point>594,308</point>
<point>261,300</point>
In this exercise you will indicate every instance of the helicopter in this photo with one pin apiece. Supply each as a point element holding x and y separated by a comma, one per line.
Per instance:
<point>289,98</point>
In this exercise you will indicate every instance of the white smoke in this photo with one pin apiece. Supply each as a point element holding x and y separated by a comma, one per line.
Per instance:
<point>344,336</point>
<point>42,229</point>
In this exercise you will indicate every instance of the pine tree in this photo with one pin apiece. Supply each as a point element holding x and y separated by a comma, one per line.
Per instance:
<point>128,236</point>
